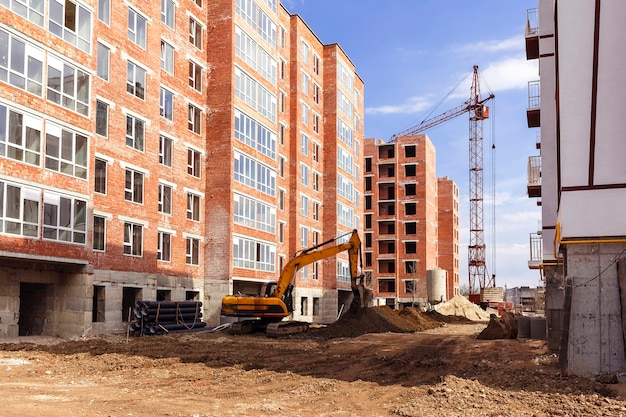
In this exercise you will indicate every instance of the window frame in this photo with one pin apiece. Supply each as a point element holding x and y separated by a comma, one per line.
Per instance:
<point>137,21</point>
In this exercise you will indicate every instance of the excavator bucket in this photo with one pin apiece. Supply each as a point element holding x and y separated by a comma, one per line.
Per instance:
<point>362,295</point>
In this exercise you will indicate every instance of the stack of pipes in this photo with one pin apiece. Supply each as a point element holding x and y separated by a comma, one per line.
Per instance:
<point>160,317</point>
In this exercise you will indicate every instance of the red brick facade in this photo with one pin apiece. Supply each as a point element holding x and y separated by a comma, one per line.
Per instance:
<point>408,214</point>
<point>179,173</point>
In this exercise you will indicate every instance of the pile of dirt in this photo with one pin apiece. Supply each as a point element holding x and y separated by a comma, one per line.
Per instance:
<point>381,319</point>
<point>462,307</point>
<point>504,327</point>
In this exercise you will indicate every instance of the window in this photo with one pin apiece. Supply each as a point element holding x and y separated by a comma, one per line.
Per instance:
<point>316,210</point>
<point>254,134</point>
<point>316,152</point>
<point>368,202</point>
<point>21,64</point>
<point>133,187</point>
<point>136,80</point>
<point>304,236</point>
<point>166,147</point>
<point>198,2</point>
<point>368,183</point>
<point>283,102</point>
<point>368,221</point>
<point>70,22</point>
<point>281,166</point>
<point>167,57</point>
<point>253,254</point>
<point>304,210</point>
<point>193,207</point>
<point>104,11</point>
<point>410,170</point>
<point>20,136</point>
<point>99,233</point>
<point>133,239</point>
<point>195,33</point>
<point>305,144</point>
<point>64,218</point>
<point>19,210</point>
<point>135,131</point>
<point>250,172</point>
<point>164,246</point>
<point>410,228</point>
<point>305,52</point>
<point>316,181</point>
<point>166,104</point>
<point>104,56</point>
<point>410,209</point>
<point>410,189</point>
<point>368,164</point>
<point>306,80</point>
<point>305,175</point>
<point>253,213</point>
<point>283,69</point>
<point>281,232</point>
<point>193,162</point>
<point>100,176</point>
<point>165,198</point>
<point>410,151</point>
<point>368,240</point>
<point>168,12</point>
<point>68,86</point>
<point>368,258</point>
<point>137,28</point>
<point>281,199</point>
<point>102,118</point>
<point>194,117</point>
<point>410,267</point>
<point>66,152</point>
<point>193,251</point>
<point>195,76</point>
<point>305,113</point>
<point>316,64</point>
<point>316,123</point>
<point>410,247</point>
<point>32,11</point>
<point>317,93</point>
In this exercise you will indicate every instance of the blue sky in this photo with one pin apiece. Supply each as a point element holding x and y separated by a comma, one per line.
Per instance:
<point>411,54</point>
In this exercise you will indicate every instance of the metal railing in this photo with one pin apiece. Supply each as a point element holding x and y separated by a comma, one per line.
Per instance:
<point>533,94</point>
<point>532,22</point>
<point>536,249</point>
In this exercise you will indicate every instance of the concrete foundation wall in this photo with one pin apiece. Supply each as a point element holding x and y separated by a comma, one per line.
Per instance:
<point>596,343</point>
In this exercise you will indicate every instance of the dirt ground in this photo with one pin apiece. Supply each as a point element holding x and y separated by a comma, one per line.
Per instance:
<point>439,370</point>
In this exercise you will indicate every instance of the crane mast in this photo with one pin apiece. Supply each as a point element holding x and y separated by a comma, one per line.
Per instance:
<point>475,106</point>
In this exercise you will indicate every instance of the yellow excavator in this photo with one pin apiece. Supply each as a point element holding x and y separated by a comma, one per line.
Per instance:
<point>268,310</point>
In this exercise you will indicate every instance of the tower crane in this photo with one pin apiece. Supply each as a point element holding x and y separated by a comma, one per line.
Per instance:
<point>478,111</point>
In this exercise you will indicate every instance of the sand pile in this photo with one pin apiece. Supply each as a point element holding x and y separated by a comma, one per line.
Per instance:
<point>380,319</point>
<point>461,306</point>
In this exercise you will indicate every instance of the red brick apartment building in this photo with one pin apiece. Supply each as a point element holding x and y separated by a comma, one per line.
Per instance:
<point>411,222</point>
<point>171,150</point>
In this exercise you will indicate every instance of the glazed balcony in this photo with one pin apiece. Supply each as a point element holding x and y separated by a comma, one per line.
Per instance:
<point>534,177</point>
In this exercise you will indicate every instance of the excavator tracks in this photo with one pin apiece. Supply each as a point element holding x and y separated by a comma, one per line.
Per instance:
<point>282,328</point>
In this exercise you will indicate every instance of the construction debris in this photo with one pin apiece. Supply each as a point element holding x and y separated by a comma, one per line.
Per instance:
<point>461,306</point>
<point>160,317</point>
<point>503,327</point>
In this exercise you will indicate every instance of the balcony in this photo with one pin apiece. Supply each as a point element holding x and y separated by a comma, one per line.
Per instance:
<point>534,177</point>
<point>535,251</point>
<point>538,140</point>
<point>532,113</point>
<point>532,34</point>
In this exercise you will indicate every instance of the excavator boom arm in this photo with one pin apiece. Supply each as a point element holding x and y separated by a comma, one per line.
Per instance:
<point>309,256</point>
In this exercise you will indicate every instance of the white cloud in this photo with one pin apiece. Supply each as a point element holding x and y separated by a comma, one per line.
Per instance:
<point>413,104</point>
<point>513,44</point>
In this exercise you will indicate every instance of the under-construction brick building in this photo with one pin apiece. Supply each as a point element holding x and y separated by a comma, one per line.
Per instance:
<point>411,222</point>
<point>174,150</point>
